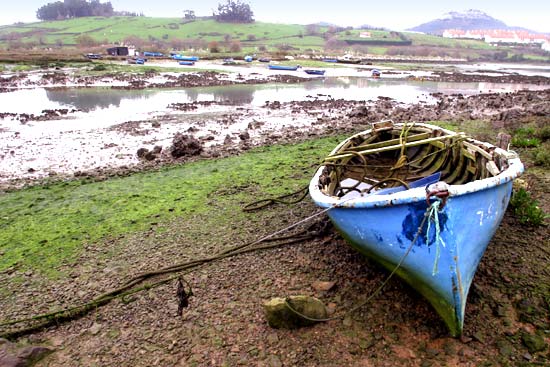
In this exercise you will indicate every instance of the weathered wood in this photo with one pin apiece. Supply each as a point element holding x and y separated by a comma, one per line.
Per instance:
<point>394,147</point>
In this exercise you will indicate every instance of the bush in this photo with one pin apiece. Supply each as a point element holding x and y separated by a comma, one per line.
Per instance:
<point>524,137</point>
<point>543,133</point>
<point>214,47</point>
<point>235,46</point>
<point>526,209</point>
<point>521,142</point>
<point>541,156</point>
<point>99,67</point>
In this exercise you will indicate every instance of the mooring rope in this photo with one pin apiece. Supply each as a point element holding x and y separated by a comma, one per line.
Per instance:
<point>433,214</point>
<point>427,215</point>
<point>129,288</point>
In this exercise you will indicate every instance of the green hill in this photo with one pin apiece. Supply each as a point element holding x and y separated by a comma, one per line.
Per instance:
<point>116,30</point>
<point>202,34</point>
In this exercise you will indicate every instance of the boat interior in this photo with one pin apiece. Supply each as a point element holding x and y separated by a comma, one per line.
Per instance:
<point>403,156</point>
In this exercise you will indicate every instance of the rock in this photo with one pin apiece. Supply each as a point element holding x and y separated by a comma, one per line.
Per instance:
<point>274,361</point>
<point>95,328</point>
<point>150,156</point>
<point>141,152</point>
<point>360,111</point>
<point>534,343</point>
<point>13,356</point>
<point>185,145</point>
<point>244,135</point>
<point>322,286</point>
<point>279,315</point>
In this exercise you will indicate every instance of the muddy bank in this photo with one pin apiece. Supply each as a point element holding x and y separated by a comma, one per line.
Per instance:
<point>224,325</point>
<point>113,150</point>
<point>148,79</point>
<point>484,76</point>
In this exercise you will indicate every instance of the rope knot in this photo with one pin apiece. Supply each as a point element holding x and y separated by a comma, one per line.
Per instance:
<point>433,215</point>
<point>440,190</point>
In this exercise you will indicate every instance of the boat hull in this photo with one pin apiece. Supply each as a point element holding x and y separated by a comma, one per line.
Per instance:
<point>282,67</point>
<point>440,262</point>
<point>185,58</point>
<point>314,72</point>
<point>467,225</point>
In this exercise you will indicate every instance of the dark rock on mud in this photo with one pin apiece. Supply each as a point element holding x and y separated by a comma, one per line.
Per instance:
<point>185,145</point>
<point>12,355</point>
<point>280,316</point>
<point>149,155</point>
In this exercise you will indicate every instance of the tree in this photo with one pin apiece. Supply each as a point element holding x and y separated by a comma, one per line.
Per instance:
<point>214,47</point>
<point>235,46</point>
<point>234,11</point>
<point>73,9</point>
<point>189,14</point>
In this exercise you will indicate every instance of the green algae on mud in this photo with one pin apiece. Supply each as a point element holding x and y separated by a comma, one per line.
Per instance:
<point>46,226</point>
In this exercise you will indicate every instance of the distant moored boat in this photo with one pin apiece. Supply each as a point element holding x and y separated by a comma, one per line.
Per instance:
<point>314,71</point>
<point>283,67</point>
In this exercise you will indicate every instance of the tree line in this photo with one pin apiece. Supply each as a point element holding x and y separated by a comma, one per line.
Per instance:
<point>232,11</point>
<point>67,9</point>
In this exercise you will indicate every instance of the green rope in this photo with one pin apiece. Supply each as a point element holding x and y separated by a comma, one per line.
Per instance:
<point>434,216</point>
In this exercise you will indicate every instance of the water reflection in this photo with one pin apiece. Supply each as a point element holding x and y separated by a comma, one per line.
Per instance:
<point>133,102</point>
<point>89,99</point>
<point>236,94</point>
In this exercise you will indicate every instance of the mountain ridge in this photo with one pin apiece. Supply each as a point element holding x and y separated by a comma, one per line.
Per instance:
<point>471,19</point>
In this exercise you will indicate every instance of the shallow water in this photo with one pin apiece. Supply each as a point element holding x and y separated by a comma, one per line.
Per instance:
<point>86,139</point>
<point>123,103</point>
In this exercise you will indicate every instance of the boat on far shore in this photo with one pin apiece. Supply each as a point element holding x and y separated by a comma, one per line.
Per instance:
<point>178,57</point>
<point>314,71</point>
<point>186,63</point>
<point>283,67</point>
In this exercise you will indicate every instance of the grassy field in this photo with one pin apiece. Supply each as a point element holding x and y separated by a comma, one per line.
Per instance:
<point>117,29</point>
<point>429,40</point>
<point>165,34</point>
<point>46,226</point>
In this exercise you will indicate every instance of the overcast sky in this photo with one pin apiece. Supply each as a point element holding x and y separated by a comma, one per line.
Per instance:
<point>395,14</point>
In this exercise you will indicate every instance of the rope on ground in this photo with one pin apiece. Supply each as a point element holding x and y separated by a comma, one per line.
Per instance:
<point>130,287</point>
<point>260,204</point>
<point>427,215</point>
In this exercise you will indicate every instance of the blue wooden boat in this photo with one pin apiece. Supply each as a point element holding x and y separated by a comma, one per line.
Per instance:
<point>330,60</point>
<point>362,185</point>
<point>283,67</point>
<point>152,54</point>
<point>136,60</point>
<point>314,71</point>
<point>185,58</point>
<point>186,63</point>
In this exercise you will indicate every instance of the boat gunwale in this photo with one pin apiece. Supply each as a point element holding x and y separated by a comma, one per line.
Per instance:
<point>373,200</point>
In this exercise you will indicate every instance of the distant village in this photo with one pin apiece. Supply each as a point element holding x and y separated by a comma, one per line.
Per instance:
<point>501,36</point>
